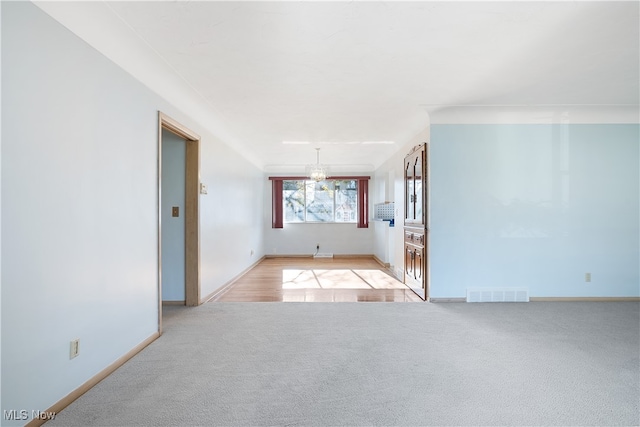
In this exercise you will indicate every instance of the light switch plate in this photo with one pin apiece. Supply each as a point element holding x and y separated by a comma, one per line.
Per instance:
<point>203,188</point>
<point>74,350</point>
<point>175,211</point>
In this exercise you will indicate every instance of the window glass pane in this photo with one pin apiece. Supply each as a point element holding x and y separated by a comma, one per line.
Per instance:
<point>324,201</point>
<point>293,201</point>
<point>346,201</point>
<point>319,201</point>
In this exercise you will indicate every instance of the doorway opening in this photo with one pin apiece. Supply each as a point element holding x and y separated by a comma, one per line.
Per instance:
<point>189,216</point>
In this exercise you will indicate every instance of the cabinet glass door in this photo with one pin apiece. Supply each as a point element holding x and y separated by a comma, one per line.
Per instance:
<point>417,188</point>
<point>409,197</point>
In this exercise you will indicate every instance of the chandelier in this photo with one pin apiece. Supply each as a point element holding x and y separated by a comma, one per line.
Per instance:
<point>318,172</point>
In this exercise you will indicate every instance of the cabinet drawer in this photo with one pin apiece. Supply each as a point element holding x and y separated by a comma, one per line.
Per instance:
<point>418,239</point>
<point>415,238</point>
<point>408,236</point>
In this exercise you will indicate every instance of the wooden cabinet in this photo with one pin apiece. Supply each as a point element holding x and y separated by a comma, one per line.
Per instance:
<point>415,264</point>
<point>409,262</point>
<point>416,220</point>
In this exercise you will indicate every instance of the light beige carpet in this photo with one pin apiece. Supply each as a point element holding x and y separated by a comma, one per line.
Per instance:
<point>378,364</point>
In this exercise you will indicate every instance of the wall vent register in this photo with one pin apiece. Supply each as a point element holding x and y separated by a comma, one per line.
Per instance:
<point>497,295</point>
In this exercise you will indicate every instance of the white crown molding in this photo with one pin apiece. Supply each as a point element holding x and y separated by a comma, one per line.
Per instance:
<point>534,114</point>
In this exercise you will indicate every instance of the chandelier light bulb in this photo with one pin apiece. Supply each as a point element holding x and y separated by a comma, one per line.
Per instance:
<point>318,172</point>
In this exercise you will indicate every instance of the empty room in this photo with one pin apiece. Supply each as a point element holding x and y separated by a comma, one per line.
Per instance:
<point>320,213</point>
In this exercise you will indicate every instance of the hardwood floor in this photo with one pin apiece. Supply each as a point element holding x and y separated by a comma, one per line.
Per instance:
<point>318,280</point>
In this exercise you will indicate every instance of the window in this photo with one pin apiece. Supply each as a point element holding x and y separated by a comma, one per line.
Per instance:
<point>324,201</point>
<point>336,200</point>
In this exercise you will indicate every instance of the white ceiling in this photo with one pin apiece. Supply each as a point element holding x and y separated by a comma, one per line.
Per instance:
<point>338,74</point>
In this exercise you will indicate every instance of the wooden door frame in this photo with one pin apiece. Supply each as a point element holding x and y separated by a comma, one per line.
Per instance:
<point>191,208</point>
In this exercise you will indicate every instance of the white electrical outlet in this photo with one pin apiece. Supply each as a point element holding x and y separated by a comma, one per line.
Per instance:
<point>587,277</point>
<point>74,350</point>
<point>203,188</point>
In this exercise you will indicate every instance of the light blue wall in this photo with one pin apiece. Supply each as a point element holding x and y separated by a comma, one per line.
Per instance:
<point>78,195</point>
<point>174,151</point>
<point>535,206</point>
<point>80,210</point>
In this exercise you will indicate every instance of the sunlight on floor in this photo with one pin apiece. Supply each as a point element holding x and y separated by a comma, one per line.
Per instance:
<point>338,279</point>
<point>299,279</point>
<point>380,280</point>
